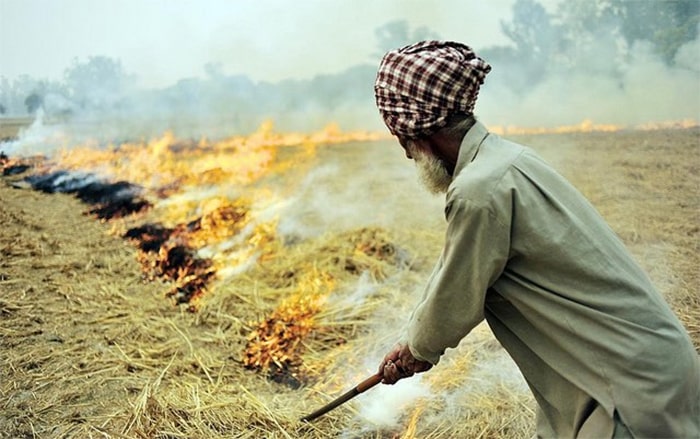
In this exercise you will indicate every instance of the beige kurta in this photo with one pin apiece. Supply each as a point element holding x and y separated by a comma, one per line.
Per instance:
<point>590,333</point>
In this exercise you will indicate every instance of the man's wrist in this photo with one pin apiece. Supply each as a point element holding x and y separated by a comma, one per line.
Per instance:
<point>432,359</point>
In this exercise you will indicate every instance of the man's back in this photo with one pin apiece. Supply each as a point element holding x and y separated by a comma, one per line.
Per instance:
<point>572,306</point>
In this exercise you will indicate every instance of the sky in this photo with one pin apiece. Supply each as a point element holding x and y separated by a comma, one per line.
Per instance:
<point>162,41</point>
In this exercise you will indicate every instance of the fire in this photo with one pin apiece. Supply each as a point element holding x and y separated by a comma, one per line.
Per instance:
<point>164,254</point>
<point>670,124</point>
<point>587,126</point>
<point>171,197</point>
<point>256,244</point>
<point>194,210</point>
<point>11,166</point>
<point>221,220</point>
<point>192,253</point>
<point>167,165</point>
<point>167,162</point>
<point>275,345</point>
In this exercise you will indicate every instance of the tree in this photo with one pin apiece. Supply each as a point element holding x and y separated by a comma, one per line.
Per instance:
<point>98,83</point>
<point>535,42</point>
<point>531,30</point>
<point>666,24</point>
<point>590,38</point>
<point>33,102</point>
<point>396,34</point>
<point>534,37</point>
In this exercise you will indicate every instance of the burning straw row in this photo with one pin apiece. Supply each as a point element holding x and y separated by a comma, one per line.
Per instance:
<point>280,324</point>
<point>288,322</point>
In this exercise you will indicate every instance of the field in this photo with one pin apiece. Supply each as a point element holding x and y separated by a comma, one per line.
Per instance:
<point>91,348</point>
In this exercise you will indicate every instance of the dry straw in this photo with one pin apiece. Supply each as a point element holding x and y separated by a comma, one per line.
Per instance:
<point>92,349</point>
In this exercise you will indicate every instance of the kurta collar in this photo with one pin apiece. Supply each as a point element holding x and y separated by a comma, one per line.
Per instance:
<point>470,146</point>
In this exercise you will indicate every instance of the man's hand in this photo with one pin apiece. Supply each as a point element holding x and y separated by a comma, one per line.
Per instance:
<point>400,363</point>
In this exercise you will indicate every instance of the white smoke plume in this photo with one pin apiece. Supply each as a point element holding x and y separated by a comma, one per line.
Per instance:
<point>647,91</point>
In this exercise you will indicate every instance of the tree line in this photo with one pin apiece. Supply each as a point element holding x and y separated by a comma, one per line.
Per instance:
<point>596,35</point>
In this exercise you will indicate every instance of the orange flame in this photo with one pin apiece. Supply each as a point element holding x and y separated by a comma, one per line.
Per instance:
<point>185,181</point>
<point>276,340</point>
<point>587,126</point>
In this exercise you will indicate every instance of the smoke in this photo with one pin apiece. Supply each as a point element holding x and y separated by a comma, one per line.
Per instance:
<point>600,79</point>
<point>37,138</point>
<point>373,184</point>
<point>645,90</point>
<point>315,206</point>
<point>631,64</point>
<point>343,191</point>
<point>362,291</point>
<point>468,378</point>
<point>385,406</point>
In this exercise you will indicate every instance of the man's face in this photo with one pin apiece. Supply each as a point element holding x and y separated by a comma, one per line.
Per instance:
<point>431,171</point>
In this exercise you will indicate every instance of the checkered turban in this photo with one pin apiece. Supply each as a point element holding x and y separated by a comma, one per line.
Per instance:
<point>420,85</point>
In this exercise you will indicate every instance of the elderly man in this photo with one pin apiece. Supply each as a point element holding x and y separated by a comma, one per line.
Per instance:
<point>601,350</point>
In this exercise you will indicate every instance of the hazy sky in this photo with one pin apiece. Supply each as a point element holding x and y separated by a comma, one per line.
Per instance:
<point>162,41</point>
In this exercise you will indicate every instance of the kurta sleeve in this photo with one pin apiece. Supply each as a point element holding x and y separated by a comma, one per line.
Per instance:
<point>474,255</point>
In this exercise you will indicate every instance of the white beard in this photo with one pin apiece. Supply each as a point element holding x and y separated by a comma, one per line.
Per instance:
<point>431,171</point>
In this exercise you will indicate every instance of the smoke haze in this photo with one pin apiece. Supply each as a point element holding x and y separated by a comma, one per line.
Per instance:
<point>647,91</point>
<point>164,41</point>
<point>188,70</point>
<point>303,69</point>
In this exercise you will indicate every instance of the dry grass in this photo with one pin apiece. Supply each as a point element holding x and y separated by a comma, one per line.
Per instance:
<point>90,349</point>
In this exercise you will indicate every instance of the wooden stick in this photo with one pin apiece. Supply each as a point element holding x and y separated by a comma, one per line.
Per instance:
<point>345,397</point>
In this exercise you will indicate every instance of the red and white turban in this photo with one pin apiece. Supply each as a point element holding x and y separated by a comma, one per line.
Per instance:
<point>420,85</point>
